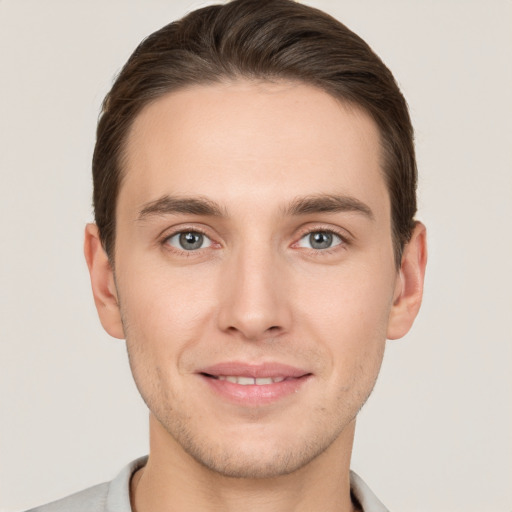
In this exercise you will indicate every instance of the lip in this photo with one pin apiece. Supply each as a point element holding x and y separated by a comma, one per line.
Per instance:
<point>254,394</point>
<point>262,370</point>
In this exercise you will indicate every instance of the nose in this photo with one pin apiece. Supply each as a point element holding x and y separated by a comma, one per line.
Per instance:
<point>254,297</point>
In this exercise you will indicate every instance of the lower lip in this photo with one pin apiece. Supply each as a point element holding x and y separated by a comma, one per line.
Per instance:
<point>254,394</point>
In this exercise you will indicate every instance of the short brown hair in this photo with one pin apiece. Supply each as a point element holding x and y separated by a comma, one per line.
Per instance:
<point>257,39</point>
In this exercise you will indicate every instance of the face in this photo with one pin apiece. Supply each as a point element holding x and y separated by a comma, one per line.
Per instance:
<point>254,271</point>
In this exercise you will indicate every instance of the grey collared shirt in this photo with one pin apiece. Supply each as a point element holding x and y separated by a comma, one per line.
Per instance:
<point>114,496</point>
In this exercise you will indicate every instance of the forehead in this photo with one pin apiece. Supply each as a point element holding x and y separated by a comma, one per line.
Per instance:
<point>217,140</point>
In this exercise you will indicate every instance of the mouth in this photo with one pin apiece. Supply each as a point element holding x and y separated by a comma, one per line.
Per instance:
<point>247,381</point>
<point>254,385</point>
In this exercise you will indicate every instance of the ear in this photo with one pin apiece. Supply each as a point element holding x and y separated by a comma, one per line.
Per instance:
<point>102,282</point>
<point>409,284</point>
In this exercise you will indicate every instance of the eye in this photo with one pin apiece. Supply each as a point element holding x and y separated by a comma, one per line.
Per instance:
<point>189,240</point>
<point>320,240</point>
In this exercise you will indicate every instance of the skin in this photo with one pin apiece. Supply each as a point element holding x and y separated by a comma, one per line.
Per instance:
<point>257,291</point>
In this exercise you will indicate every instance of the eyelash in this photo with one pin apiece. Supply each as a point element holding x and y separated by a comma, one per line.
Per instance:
<point>317,229</point>
<point>344,241</point>
<point>165,241</point>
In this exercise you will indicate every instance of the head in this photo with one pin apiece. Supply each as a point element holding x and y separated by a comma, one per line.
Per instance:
<point>255,191</point>
<point>264,40</point>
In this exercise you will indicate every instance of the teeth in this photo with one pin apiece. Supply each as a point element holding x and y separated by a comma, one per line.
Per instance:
<point>250,381</point>
<point>245,381</point>
<point>261,381</point>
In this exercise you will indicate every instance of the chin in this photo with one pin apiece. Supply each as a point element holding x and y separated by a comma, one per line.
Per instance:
<point>253,464</point>
<point>253,452</point>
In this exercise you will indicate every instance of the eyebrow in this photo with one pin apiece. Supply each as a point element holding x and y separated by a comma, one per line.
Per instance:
<point>318,203</point>
<point>328,203</point>
<point>167,205</point>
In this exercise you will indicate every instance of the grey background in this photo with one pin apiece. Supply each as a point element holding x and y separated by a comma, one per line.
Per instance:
<point>436,434</point>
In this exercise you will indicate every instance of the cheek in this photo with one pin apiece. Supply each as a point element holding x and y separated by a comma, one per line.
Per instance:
<point>350,315</point>
<point>353,322</point>
<point>160,297</point>
<point>349,299</point>
<point>162,315</point>
<point>165,313</point>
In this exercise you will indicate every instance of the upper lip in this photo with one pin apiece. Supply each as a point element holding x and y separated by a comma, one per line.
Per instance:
<point>255,370</point>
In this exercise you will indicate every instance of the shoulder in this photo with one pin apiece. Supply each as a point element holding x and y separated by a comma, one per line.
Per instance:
<point>111,496</point>
<point>363,496</point>
<point>89,500</point>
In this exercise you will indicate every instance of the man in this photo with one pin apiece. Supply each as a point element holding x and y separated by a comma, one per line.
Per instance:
<point>255,243</point>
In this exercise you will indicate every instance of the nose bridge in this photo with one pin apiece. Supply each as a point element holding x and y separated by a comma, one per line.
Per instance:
<point>253,301</point>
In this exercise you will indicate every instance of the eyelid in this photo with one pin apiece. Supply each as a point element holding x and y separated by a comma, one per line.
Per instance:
<point>345,235</point>
<point>169,233</point>
<point>342,234</point>
<point>339,240</point>
<point>179,233</point>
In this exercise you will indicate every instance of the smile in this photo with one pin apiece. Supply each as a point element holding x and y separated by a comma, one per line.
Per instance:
<point>254,385</point>
<point>249,381</point>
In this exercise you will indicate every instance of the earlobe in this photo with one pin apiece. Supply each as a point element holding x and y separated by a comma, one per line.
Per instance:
<point>102,282</point>
<point>409,286</point>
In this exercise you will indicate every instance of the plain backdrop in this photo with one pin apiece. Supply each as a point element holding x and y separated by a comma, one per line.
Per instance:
<point>436,434</point>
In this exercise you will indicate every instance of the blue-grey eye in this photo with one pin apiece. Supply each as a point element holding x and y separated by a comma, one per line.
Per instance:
<point>189,241</point>
<point>320,240</point>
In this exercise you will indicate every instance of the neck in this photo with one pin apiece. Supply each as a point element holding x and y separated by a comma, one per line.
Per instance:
<point>172,479</point>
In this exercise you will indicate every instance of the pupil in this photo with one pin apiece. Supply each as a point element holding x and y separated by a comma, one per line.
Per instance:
<point>191,241</point>
<point>320,240</point>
